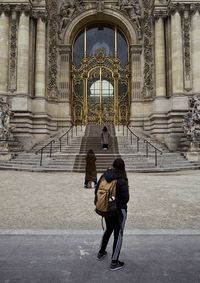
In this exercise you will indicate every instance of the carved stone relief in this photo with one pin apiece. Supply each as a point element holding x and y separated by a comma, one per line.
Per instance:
<point>187,44</point>
<point>38,14</point>
<point>4,8</point>
<point>148,88</point>
<point>13,52</point>
<point>68,10</point>
<point>53,52</point>
<point>191,123</point>
<point>5,115</point>
<point>130,7</point>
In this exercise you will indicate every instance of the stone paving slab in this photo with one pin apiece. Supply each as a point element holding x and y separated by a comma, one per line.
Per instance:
<point>31,200</point>
<point>71,258</point>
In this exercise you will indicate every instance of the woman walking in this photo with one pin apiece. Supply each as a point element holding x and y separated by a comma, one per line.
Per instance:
<point>90,169</point>
<point>116,221</point>
<point>105,137</point>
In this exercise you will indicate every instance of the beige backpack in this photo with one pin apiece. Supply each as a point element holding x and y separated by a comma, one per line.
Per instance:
<point>105,199</point>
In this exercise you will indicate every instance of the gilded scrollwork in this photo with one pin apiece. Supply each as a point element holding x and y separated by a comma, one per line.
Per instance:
<point>110,71</point>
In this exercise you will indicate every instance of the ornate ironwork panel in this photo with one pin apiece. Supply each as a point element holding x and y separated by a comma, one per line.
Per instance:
<point>100,90</point>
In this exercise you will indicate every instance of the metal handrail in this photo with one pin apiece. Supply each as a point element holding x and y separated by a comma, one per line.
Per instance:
<point>41,150</point>
<point>147,146</point>
<point>60,140</point>
<point>66,133</point>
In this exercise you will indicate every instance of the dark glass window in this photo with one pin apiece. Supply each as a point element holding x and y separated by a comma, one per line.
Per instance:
<point>100,37</point>
<point>122,49</point>
<point>79,49</point>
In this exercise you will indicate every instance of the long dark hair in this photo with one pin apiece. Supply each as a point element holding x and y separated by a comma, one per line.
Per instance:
<point>105,129</point>
<point>119,165</point>
<point>90,153</point>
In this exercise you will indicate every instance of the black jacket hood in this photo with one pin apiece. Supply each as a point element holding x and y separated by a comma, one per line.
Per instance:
<point>111,174</point>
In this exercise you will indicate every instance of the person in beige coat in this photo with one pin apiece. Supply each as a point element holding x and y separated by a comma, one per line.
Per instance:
<point>105,138</point>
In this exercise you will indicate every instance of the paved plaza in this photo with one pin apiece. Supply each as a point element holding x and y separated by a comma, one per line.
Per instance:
<point>49,231</point>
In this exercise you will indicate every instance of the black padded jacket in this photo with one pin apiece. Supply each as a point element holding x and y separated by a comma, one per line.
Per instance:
<point>122,190</point>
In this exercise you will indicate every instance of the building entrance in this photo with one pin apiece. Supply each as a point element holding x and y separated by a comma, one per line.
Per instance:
<point>100,78</point>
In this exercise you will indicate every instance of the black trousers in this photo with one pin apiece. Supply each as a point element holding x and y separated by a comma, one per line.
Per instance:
<point>105,145</point>
<point>114,223</point>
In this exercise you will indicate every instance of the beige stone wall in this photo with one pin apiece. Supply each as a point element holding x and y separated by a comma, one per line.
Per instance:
<point>158,110</point>
<point>4,37</point>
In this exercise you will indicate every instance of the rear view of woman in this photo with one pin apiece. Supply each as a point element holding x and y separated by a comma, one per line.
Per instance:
<point>105,138</point>
<point>90,169</point>
<point>116,221</point>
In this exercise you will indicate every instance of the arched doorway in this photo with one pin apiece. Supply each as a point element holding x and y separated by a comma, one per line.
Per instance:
<point>100,76</point>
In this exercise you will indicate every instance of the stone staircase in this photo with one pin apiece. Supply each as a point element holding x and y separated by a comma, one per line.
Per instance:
<point>137,160</point>
<point>92,140</point>
<point>59,161</point>
<point>74,149</point>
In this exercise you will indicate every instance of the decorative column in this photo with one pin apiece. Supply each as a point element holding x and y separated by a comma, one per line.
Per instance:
<point>187,48</point>
<point>135,54</point>
<point>160,72</point>
<point>40,62</point>
<point>4,36</point>
<point>196,51</point>
<point>148,86</point>
<point>64,85</point>
<point>23,54</point>
<point>13,52</point>
<point>177,53</point>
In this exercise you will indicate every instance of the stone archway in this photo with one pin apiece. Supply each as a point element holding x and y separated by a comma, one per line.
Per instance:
<point>132,33</point>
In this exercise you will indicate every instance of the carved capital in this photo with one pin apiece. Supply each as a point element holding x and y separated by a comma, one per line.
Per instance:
<point>195,8</point>
<point>65,49</point>
<point>160,14</point>
<point>24,8</point>
<point>176,8</point>
<point>5,8</point>
<point>40,15</point>
<point>136,49</point>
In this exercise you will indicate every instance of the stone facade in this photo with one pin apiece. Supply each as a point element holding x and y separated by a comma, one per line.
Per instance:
<point>36,39</point>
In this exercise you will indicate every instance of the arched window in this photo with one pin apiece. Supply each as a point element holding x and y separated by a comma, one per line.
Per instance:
<point>92,38</point>
<point>107,88</point>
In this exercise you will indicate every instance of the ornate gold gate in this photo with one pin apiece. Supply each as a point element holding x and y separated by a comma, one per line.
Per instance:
<point>100,90</point>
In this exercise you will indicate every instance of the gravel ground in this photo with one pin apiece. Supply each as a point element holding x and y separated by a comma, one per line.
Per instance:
<point>30,200</point>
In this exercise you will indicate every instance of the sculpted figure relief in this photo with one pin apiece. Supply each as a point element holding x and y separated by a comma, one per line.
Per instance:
<point>68,10</point>
<point>5,115</point>
<point>132,7</point>
<point>191,124</point>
